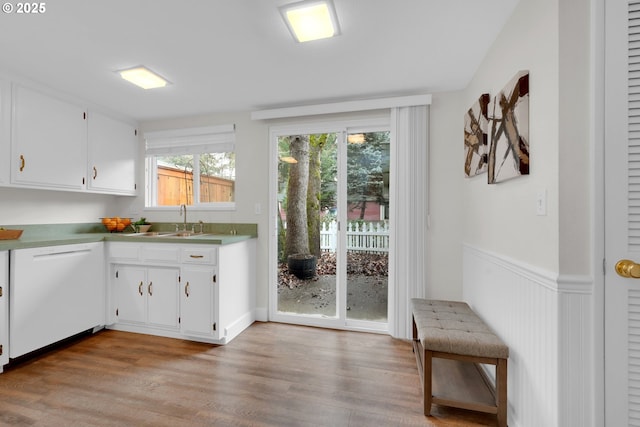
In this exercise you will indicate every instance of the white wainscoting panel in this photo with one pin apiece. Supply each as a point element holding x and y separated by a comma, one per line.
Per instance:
<point>547,323</point>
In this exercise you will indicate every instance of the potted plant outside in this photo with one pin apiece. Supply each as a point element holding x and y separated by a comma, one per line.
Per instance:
<point>303,266</point>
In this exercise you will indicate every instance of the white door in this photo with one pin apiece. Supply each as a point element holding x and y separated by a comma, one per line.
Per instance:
<point>354,165</point>
<point>622,212</point>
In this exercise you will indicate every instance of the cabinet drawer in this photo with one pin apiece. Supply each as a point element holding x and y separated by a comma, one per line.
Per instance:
<point>204,255</point>
<point>161,253</point>
<point>123,251</point>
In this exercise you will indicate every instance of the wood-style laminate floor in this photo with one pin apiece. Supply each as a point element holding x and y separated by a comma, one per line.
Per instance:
<point>271,375</point>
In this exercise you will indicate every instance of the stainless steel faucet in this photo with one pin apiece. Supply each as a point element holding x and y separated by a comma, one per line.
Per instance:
<point>184,208</point>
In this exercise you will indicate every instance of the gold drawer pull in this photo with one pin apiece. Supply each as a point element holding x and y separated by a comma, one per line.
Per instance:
<point>186,289</point>
<point>140,289</point>
<point>150,289</point>
<point>196,256</point>
<point>95,172</point>
<point>21,162</point>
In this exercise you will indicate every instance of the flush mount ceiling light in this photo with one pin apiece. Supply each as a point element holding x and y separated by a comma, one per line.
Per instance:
<point>143,77</point>
<point>311,20</point>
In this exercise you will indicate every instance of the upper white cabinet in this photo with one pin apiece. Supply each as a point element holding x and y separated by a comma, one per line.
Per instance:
<point>5,130</point>
<point>48,141</point>
<point>113,153</point>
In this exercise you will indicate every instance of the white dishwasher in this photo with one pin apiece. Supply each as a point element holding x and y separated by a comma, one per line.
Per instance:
<point>55,292</point>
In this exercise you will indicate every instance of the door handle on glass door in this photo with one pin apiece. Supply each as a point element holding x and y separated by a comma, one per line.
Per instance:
<point>628,268</point>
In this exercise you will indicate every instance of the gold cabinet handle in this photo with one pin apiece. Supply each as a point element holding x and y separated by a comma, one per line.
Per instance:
<point>140,289</point>
<point>150,289</point>
<point>628,268</point>
<point>196,256</point>
<point>95,172</point>
<point>186,290</point>
<point>21,162</point>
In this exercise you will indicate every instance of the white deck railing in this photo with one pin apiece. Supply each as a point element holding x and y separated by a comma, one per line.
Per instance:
<point>361,236</point>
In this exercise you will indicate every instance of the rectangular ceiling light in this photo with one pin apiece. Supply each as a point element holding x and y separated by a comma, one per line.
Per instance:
<point>143,77</point>
<point>311,20</point>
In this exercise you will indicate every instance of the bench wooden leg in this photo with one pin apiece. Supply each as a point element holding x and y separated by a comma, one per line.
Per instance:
<point>501,392</point>
<point>428,392</point>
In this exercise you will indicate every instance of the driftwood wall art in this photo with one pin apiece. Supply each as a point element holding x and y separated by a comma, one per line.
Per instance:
<point>476,140</point>
<point>496,133</point>
<point>509,117</point>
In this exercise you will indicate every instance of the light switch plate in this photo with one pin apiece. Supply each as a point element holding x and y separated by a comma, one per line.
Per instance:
<point>541,202</point>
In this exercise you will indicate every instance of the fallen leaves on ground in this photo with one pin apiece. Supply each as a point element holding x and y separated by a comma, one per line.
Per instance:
<point>357,263</point>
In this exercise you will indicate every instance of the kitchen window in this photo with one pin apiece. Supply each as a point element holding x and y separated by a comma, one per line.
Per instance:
<point>194,166</point>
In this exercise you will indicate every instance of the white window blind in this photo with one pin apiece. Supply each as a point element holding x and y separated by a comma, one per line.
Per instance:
<point>207,139</point>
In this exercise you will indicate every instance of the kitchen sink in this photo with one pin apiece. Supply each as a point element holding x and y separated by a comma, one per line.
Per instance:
<point>153,234</point>
<point>173,234</point>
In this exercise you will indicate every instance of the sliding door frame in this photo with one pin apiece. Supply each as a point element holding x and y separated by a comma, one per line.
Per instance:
<point>309,127</point>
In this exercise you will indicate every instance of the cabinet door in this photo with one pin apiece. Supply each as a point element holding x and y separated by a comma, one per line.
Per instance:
<point>5,131</point>
<point>48,141</point>
<point>130,294</point>
<point>113,151</point>
<point>4,308</point>
<point>197,314</point>
<point>162,297</point>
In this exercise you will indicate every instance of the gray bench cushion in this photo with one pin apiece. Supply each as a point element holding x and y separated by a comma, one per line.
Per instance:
<point>452,327</point>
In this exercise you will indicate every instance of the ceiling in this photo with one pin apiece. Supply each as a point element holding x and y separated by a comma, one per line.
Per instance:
<point>238,55</point>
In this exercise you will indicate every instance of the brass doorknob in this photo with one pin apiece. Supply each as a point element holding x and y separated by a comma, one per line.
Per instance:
<point>628,268</point>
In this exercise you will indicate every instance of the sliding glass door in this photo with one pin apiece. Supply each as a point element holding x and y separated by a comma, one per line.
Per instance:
<point>331,228</point>
<point>367,225</point>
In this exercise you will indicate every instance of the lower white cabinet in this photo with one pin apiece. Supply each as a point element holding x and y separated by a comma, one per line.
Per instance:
<point>146,296</point>
<point>199,292</point>
<point>54,292</point>
<point>198,315</point>
<point>4,308</point>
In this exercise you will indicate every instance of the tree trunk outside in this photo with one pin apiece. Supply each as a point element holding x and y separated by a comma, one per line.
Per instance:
<point>297,226</point>
<point>313,192</point>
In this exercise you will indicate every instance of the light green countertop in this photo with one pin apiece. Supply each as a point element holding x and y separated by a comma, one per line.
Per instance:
<point>66,234</point>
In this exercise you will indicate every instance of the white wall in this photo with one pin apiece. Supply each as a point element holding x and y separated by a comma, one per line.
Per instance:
<point>529,276</point>
<point>252,185</point>
<point>502,218</point>
<point>446,205</point>
<point>26,206</point>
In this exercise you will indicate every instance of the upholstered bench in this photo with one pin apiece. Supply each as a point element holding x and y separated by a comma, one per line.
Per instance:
<point>451,330</point>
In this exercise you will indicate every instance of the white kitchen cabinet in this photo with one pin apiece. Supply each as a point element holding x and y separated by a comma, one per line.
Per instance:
<point>54,292</point>
<point>197,301</point>
<point>4,308</point>
<point>48,141</point>
<point>113,153</point>
<point>146,295</point>
<point>209,309</point>
<point>5,131</point>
